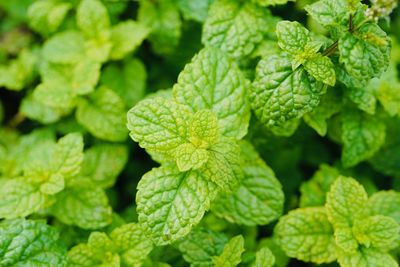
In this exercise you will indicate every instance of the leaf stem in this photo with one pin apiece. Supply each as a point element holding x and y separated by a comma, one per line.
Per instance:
<point>16,120</point>
<point>331,49</point>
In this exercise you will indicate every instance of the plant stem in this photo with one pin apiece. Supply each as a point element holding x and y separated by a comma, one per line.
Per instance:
<point>16,120</point>
<point>331,49</point>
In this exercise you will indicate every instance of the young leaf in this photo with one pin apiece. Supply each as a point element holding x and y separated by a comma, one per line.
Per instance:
<point>345,202</point>
<point>264,258</point>
<point>190,157</point>
<point>322,69</point>
<point>212,81</point>
<point>159,124</point>
<point>280,94</point>
<point>64,47</point>
<point>170,202</point>
<point>103,115</point>
<point>292,36</point>
<point>30,243</point>
<point>306,234</point>
<point>231,255</point>
<point>367,257</point>
<point>234,27</point>
<point>203,129</point>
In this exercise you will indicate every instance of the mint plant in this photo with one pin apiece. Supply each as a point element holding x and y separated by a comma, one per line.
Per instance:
<point>199,133</point>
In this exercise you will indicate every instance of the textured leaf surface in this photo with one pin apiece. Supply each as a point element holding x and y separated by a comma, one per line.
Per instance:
<point>19,198</point>
<point>292,36</point>
<point>345,202</point>
<point>92,19</point>
<point>328,12</point>
<point>322,69</point>
<point>234,27</point>
<point>365,55</point>
<point>201,245</point>
<point>258,199</point>
<point>212,81</point>
<point>280,94</point>
<point>264,258</point>
<point>86,207</point>
<point>366,258</point>
<point>171,202</point>
<point>189,157</point>
<point>30,243</point>
<point>133,246</point>
<point>103,115</point>
<point>231,254</point>
<point>203,129</point>
<point>385,203</point>
<point>159,124</point>
<point>307,235</point>
<point>362,136</point>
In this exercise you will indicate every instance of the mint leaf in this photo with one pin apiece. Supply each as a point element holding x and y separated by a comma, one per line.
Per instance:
<point>322,69</point>
<point>64,47</point>
<point>328,12</point>
<point>159,124</point>
<point>231,254</point>
<point>201,245</point>
<point>223,92</point>
<point>309,224</point>
<point>85,206</point>
<point>366,54</point>
<point>92,19</point>
<point>362,136</point>
<point>103,115</point>
<point>258,199</point>
<point>125,37</point>
<point>280,94</point>
<point>30,243</point>
<point>385,203</point>
<point>190,157</point>
<point>203,129</point>
<point>367,257</point>
<point>235,28</point>
<point>292,36</point>
<point>168,217</point>
<point>194,10</point>
<point>345,202</point>
<point>264,258</point>
<point>19,198</point>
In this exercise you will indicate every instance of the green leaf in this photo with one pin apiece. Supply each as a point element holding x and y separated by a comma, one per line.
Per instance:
<point>264,258</point>
<point>64,47</point>
<point>280,94</point>
<point>159,124</point>
<point>378,231</point>
<point>164,20</point>
<point>366,54</point>
<point>322,69</point>
<point>362,136</point>
<point>258,200</point>
<point>68,155</point>
<point>203,129</point>
<point>363,97</point>
<point>85,206</point>
<point>345,202</point>
<point>30,243</point>
<point>212,81</point>
<point>195,10</point>
<point>328,12</point>
<point>292,36</point>
<point>103,163</point>
<point>19,198</point>
<point>306,234</point>
<point>85,76</point>
<point>47,15</point>
<point>223,165</point>
<point>58,97</point>
<point>201,245</point>
<point>231,255</point>
<point>234,27</point>
<point>92,19</point>
<point>53,185</point>
<point>330,104</point>
<point>346,240</point>
<point>126,37</point>
<point>128,81</point>
<point>367,257</point>
<point>103,115</point>
<point>133,246</point>
<point>170,202</point>
<point>385,203</point>
<point>387,91</point>
<point>35,110</point>
<point>313,191</point>
<point>271,2</point>
<point>189,157</point>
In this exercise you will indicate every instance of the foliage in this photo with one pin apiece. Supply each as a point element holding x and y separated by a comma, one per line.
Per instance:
<point>204,133</point>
